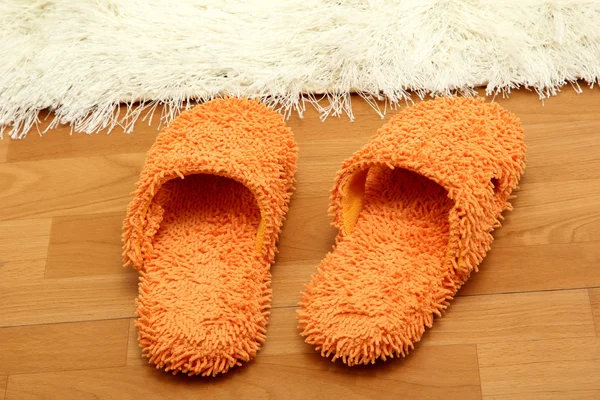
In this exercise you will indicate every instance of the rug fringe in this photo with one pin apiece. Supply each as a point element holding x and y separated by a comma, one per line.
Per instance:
<point>125,115</point>
<point>98,65</point>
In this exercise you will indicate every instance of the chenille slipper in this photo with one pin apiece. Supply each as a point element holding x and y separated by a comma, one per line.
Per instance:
<point>202,231</point>
<point>415,208</point>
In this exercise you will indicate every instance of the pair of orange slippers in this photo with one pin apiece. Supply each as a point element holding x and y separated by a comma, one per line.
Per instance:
<point>414,208</point>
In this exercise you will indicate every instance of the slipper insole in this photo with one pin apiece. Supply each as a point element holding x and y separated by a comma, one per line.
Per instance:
<point>203,287</point>
<point>384,277</point>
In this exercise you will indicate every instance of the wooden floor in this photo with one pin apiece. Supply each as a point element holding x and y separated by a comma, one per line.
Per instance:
<point>526,327</point>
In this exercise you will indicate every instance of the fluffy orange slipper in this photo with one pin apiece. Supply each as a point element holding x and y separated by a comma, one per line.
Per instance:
<point>202,230</point>
<point>415,208</point>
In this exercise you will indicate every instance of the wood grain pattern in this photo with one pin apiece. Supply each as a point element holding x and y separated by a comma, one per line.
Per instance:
<point>309,216</point>
<point>134,353</point>
<point>535,220</point>
<point>284,334</point>
<point>595,301</point>
<point>67,300</point>
<point>68,186</point>
<point>517,316</point>
<point>450,371</point>
<point>58,347</point>
<point>3,151</point>
<point>62,143</point>
<point>3,382</point>
<point>542,369</point>
<point>31,237</point>
<point>289,279</point>
<point>98,252</point>
<point>573,265</point>
<point>554,156</point>
<point>528,322</point>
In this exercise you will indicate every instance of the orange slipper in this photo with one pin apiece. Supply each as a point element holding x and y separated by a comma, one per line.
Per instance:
<point>415,208</point>
<point>202,230</point>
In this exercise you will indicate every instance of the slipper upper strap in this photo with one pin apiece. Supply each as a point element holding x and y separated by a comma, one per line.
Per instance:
<point>474,150</point>
<point>234,138</point>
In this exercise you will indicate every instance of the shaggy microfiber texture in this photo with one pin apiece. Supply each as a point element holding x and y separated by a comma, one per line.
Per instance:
<point>82,59</point>
<point>202,231</point>
<point>415,209</point>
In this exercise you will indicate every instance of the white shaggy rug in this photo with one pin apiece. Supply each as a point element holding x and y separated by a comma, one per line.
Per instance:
<point>83,59</point>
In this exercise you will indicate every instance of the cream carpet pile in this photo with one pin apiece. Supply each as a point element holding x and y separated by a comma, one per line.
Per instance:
<point>103,63</point>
